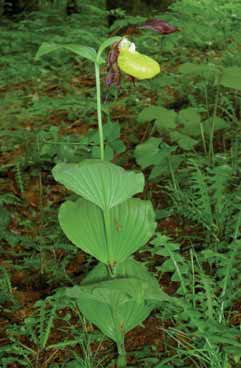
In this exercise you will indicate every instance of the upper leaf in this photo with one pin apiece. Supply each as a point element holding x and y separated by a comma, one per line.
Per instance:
<point>100,182</point>
<point>83,51</point>
<point>46,48</point>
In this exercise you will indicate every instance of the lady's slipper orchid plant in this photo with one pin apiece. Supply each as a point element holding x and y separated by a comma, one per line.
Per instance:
<point>105,221</point>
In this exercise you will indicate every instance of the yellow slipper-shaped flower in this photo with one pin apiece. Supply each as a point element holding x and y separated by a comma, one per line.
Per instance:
<point>136,64</point>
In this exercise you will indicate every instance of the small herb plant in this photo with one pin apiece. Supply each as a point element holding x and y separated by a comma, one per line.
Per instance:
<point>106,221</point>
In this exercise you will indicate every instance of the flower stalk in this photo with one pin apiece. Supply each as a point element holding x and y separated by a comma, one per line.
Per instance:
<point>99,111</point>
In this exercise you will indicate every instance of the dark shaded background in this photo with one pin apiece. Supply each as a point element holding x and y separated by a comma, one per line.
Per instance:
<point>135,6</point>
<point>13,7</point>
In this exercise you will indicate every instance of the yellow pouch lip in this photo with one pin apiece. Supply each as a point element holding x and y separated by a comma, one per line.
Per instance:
<point>137,65</point>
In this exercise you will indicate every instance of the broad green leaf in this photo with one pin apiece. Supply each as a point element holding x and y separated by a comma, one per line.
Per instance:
<point>190,119</point>
<point>204,70</point>
<point>191,68</point>
<point>111,131</point>
<point>83,51</point>
<point>47,48</point>
<point>152,152</point>
<point>82,223</point>
<point>171,162</point>
<point>109,152</point>
<point>116,308</point>
<point>118,146</point>
<point>231,77</point>
<point>117,319</point>
<point>100,182</point>
<point>184,141</point>
<point>160,170</point>
<point>148,114</point>
<point>219,124</point>
<point>164,119</point>
<point>131,225</point>
<point>129,286</point>
<point>148,153</point>
<point>131,270</point>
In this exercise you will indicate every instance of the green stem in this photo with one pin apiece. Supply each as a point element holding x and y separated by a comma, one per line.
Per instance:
<point>203,139</point>
<point>173,259</point>
<point>99,112</point>
<point>174,183</point>
<point>211,137</point>
<point>107,222</point>
<point>121,360</point>
<point>106,213</point>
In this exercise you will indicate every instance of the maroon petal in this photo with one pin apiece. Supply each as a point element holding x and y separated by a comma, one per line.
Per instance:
<point>112,56</point>
<point>109,79</point>
<point>159,26</point>
<point>113,77</point>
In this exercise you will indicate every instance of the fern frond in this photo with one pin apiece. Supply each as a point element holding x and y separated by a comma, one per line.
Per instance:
<point>45,315</point>
<point>220,178</point>
<point>19,177</point>
<point>201,196</point>
<point>8,199</point>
